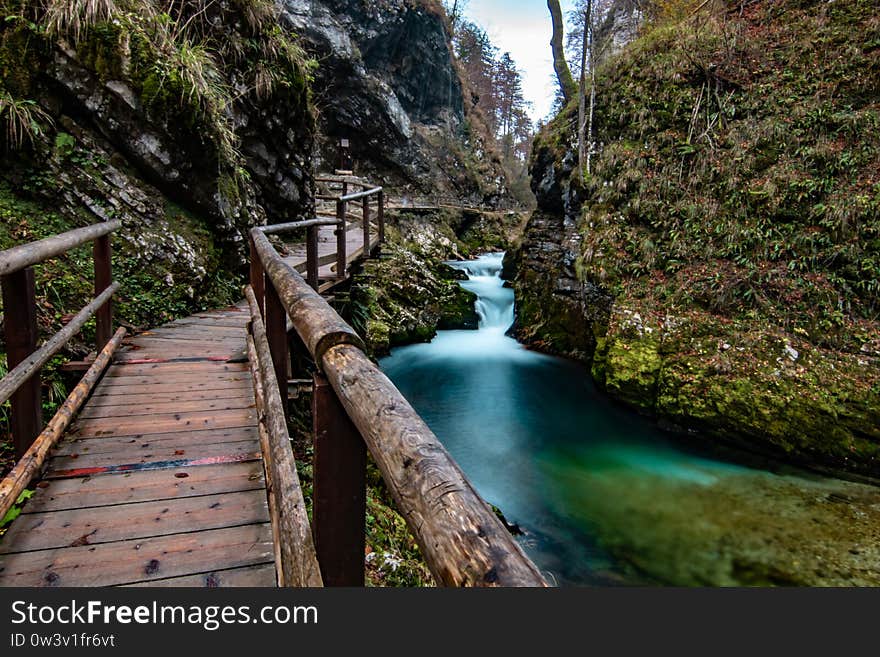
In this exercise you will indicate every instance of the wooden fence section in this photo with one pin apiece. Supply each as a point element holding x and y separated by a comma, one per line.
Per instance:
<point>160,480</point>
<point>24,360</point>
<point>350,229</point>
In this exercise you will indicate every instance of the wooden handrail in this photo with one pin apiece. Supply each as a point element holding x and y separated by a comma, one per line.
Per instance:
<point>31,463</point>
<point>299,566</point>
<point>17,281</point>
<point>27,368</point>
<point>462,541</point>
<point>273,229</point>
<point>359,195</point>
<point>314,320</point>
<point>25,255</point>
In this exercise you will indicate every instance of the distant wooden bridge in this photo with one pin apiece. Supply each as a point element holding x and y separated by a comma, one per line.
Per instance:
<point>170,463</point>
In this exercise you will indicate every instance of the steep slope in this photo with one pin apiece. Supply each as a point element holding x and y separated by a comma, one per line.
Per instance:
<point>721,267</point>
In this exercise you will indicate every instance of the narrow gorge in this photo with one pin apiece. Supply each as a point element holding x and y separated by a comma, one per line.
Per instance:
<point>645,329</point>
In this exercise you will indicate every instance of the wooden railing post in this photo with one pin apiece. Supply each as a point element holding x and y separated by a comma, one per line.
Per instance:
<point>339,494</point>
<point>276,335</point>
<point>20,329</point>
<point>258,278</point>
<point>380,216</point>
<point>366,226</point>
<point>312,257</point>
<point>341,258</point>
<point>102,255</point>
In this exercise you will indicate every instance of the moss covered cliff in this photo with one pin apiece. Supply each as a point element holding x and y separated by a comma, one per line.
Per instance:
<point>720,268</point>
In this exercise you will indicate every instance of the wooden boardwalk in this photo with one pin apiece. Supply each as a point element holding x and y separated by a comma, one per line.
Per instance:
<point>170,463</point>
<point>160,481</point>
<point>354,239</point>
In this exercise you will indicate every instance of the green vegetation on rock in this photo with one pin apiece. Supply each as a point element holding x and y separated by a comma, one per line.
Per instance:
<point>726,248</point>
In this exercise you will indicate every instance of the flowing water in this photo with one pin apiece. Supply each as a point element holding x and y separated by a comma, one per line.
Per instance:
<point>601,494</point>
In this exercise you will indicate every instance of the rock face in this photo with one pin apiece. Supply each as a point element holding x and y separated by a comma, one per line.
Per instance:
<point>653,271</point>
<point>162,122</point>
<point>556,310</point>
<point>387,82</point>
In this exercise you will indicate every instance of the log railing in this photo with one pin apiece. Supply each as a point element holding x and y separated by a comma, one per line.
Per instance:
<point>21,384</point>
<point>357,408</point>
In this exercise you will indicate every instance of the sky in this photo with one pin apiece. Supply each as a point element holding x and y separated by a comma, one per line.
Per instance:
<point>523,28</point>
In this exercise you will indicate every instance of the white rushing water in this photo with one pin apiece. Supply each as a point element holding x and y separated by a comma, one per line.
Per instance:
<point>494,301</point>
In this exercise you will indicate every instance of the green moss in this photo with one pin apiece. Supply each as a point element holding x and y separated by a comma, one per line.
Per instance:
<point>101,50</point>
<point>631,370</point>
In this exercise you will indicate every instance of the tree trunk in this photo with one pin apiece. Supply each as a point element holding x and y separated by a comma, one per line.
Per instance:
<point>591,48</point>
<point>582,88</point>
<point>560,65</point>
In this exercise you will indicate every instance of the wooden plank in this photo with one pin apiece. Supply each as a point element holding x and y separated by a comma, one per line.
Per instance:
<point>178,462</point>
<point>242,400</point>
<point>196,343</point>
<point>174,378</point>
<point>171,349</point>
<point>198,322</point>
<point>128,522</point>
<point>218,327</point>
<point>189,333</point>
<point>137,443</point>
<point>106,490</point>
<point>147,396</point>
<point>204,367</point>
<point>128,562</point>
<point>151,355</point>
<point>165,422</point>
<point>192,340</point>
<point>202,385</point>
<point>254,576</point>
<point>156,452</point>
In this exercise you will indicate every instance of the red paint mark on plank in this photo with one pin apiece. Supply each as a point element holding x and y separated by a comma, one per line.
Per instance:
<point>155,465</point>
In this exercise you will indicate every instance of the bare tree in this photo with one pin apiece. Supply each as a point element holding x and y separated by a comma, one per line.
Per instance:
<point>454,10</point>
<point>595,26</point>
<point>557,44</point>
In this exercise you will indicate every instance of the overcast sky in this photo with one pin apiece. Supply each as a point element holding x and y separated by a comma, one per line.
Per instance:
<point>523,28</point>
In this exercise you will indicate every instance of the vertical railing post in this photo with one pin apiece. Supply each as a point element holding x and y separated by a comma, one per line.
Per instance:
<point>380,216</point>
<point>366,212</point>
<point>20,332</point>
<point>339,494</point>
<point>258,277</point>
<point>276,335</point>
<point>312,257</point>
<point>341,230</point>
<point>102,255</point>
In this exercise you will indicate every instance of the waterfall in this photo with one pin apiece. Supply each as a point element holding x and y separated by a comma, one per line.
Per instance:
<point>494,303</point>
